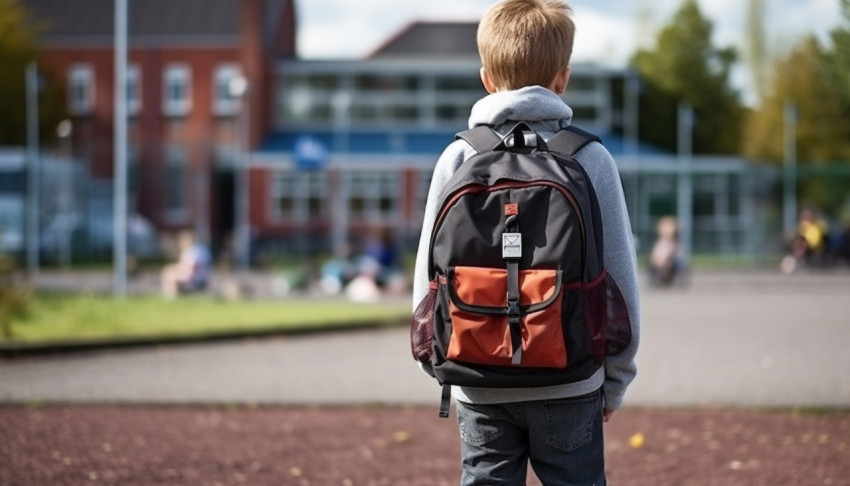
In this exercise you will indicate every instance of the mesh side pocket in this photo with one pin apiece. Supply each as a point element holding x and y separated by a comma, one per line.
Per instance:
<point>422,325</point>
<point>606,317</point>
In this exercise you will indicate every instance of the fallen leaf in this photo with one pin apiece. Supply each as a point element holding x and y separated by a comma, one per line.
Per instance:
<point>401,436</point>
<point>637,440</point>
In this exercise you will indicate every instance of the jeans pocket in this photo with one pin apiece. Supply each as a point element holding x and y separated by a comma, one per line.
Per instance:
<point>570,422</point>
<point>479,424</point>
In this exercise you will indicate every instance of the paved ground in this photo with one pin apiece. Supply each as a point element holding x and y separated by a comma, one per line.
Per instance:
<point>726,344</point>
<point>728,339</point>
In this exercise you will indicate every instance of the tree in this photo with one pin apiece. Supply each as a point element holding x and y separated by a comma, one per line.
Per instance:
<point>685,66</point>
<point>757,56</point>
<point>804,78</point>
<point>17,49</point>
<point>839,57</point>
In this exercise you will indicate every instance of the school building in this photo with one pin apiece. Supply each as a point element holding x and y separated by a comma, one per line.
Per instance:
<point>330,150</point>
<point>353,143</point>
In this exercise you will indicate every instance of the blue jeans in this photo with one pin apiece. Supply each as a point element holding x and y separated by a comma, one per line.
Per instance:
<point>562,439</point>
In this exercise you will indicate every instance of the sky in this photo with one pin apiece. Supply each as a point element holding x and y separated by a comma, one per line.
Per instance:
<point>608,31</point>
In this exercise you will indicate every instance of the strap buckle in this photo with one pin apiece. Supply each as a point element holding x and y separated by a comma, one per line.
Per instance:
<point>512,310</point>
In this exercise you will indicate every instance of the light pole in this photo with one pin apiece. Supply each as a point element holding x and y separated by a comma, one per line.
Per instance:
<point>632,124</point>
<point>63,131</point>
<point>239,89</point>
<point>789,169</point>
<point>33,170</point>
<point>341,103</point>
<point>119,251</point>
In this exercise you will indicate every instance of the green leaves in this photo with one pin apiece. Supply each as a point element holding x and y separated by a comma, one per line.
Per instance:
<point>685,65</point>
<point>817,81</point>
<point>17,49</point>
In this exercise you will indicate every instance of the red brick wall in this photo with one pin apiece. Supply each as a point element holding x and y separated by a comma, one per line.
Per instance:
<point>151,131</point>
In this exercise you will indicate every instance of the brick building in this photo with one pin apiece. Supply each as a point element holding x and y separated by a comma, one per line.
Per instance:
<point>185,125</point>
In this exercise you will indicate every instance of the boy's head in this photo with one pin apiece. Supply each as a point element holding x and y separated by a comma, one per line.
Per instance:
<point>526,43</point>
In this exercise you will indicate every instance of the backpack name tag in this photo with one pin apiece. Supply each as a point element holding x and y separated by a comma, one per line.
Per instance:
<point>511,245</point>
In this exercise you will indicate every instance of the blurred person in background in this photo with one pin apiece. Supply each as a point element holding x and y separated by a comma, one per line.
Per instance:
<point>191,272</point>
<point>664,259</point>
<point>814,230</point>
<point>377,269</point>
<point>808,247</point>
<point>842,243</point>
<point>380,257</point>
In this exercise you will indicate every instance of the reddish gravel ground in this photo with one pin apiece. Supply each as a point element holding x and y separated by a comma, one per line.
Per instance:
<point>180,445</point>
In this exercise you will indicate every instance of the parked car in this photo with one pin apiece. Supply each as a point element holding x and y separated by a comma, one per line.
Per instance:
<point>73,235</point>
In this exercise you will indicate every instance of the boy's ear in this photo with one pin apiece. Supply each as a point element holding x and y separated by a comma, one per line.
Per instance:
<point>561,80</point>
<point>487,81</point>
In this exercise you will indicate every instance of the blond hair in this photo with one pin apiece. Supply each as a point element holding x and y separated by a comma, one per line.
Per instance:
<point>525,42</point>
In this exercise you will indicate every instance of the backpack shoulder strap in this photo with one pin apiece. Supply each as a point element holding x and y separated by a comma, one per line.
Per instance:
<point>482,138</point>
<point>567,141</point>
<point>570,140</point>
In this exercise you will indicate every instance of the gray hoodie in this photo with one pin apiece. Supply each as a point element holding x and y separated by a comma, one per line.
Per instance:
<point>546,113</point>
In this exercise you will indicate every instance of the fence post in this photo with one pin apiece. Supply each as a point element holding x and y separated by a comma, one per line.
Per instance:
<point>789,172</point>
<point>684,193</point>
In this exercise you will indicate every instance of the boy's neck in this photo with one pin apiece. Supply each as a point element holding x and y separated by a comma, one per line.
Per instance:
<point>558,84</point>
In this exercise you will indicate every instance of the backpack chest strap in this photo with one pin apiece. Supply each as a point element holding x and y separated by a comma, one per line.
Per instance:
<point>512,310</point>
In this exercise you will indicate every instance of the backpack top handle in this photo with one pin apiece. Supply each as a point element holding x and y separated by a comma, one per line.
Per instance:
<point>483,138</point>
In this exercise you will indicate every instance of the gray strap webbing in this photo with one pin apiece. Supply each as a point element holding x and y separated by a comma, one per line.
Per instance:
<point>513,312</point>
<point>482,138</point>
<point>570,140</point>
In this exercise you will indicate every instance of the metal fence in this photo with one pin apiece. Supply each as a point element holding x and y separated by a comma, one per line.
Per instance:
<point>733,209</point>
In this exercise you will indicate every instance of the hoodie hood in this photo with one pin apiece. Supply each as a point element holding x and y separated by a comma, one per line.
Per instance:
<point>530,104</point>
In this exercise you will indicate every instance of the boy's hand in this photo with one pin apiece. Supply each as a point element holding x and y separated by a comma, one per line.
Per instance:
<point>606,414</point>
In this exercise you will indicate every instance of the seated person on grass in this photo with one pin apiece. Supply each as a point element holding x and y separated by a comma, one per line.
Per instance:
<point>192,271</point>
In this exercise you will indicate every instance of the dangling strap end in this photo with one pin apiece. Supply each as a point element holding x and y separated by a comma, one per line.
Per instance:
<point>516,359</point>
<point>445,400</point>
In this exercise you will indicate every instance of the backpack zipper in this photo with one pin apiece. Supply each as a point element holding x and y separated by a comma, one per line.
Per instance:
<point>476,188</point>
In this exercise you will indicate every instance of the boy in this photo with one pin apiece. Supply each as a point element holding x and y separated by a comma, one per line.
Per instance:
<point>525,47</point>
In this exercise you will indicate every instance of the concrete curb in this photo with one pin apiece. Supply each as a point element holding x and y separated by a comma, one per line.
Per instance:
<point>13,350</point>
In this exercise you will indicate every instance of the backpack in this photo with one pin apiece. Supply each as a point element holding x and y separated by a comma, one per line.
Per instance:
<point>519,296</point>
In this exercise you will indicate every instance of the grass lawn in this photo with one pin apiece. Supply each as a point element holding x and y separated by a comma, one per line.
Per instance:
<point>69,318</point>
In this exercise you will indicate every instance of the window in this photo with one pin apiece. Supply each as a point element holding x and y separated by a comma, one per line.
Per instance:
<point>176,184</point>
<point>81,89</point>
<point>300,196</point>
<point>12,213</point>
<point>224,101</point>
<point>586,114</point>
<point>177,81</point>
<point>423,185</point>
<point>227,157</point>
<point>404,113</point>
<point>364,112</point>
<point>373,196</point>
<point>134,89</point>
<point>463,84</point>
<point>386,83</point>
<point>583,83</point>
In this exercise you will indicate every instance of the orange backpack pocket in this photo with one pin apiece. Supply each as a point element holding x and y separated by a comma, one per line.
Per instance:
<point>480,330</point>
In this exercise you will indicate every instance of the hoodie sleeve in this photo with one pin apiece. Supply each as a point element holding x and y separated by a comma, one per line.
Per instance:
<point>620,262</point>
<point>447,165</point>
